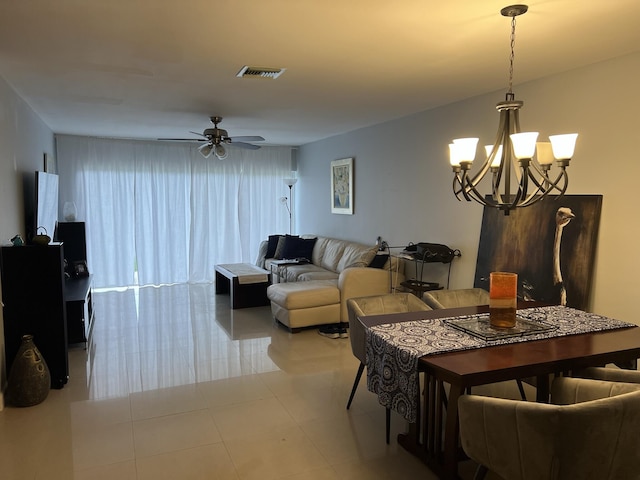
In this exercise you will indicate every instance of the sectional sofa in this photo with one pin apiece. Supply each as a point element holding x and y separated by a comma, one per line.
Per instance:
<point>316,292</point>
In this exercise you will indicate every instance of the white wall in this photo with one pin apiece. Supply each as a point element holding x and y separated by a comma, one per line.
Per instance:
<point>24,139</point>
<point>402,179</point>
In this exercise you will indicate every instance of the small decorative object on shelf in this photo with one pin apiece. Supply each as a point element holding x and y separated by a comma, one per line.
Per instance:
<point>17,241</point>
<point>69,212</point>
<point>80,268</point>
<point>29,378</point>
<point>41,237</point>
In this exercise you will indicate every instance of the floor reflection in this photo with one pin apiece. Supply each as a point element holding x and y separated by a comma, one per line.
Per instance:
<point>177,385</point>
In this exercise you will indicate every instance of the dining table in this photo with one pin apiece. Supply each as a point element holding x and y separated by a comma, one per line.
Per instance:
<point>441,347</point>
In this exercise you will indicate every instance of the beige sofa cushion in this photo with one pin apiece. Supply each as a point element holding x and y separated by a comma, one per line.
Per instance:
<point>319,275</point>
<point>333,250</point>
<point>297,295</point>
<point>356,255</point>
<point>335,255</point>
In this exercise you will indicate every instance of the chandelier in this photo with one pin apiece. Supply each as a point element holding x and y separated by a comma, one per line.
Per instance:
<point>512,150</point>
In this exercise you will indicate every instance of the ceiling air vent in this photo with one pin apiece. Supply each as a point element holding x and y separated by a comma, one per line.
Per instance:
<point>260,72</point>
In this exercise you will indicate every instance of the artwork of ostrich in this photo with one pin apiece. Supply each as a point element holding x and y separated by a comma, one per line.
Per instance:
<point>563,217</point>
<point>554,264</point>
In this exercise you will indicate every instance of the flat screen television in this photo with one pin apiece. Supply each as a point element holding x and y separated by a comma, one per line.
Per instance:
<point>46,214</point>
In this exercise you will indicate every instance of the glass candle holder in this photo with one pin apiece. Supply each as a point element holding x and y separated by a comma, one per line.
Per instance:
<point>69,212</point>
<point>503,292</point>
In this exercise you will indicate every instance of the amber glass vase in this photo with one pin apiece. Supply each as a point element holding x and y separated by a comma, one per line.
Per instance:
<point>29,378</point>
<point>503,299</point>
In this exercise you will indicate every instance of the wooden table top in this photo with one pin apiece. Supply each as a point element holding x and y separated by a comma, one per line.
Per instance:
<point>488,364</point>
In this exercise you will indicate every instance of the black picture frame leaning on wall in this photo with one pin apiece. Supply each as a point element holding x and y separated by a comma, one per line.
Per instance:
<point>532,243</point>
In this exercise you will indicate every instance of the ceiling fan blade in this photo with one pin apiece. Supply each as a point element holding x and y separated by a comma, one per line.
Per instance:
<point>248,138</point>
<point>245,145</point>
<point>182,139</point>
<point>197,133</point>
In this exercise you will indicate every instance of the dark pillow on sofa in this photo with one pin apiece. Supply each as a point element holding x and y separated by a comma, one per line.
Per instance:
<point>280,247</point>
<point>379,261</point>
<point>272,245</point>
<point>296,247</point>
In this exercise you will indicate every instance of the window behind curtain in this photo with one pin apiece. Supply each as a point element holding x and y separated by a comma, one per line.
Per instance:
<point>162,210</point>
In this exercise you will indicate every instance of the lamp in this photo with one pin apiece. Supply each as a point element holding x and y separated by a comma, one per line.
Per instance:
<point>511,145</point>
<point>220,152</point>
<point>205,150</point>
<point>289,182</point>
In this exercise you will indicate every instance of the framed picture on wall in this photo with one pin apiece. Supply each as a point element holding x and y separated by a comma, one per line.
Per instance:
<point>342,186</point>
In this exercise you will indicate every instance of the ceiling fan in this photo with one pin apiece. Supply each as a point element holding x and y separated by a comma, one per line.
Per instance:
<point>217,138</point>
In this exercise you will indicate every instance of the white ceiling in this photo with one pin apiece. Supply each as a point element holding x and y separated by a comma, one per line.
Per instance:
<point>160,68</point>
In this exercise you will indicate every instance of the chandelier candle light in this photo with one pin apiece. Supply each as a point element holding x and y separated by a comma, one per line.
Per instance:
<point>510,145</point>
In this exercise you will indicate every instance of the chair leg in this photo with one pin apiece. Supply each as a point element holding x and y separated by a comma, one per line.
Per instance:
<point>521,388</point>
<point>388,423</point>
<point>481,472</point>
<point>355,384</point>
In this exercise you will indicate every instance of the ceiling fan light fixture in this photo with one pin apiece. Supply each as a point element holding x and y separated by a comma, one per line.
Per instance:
<point>220,152</point>
<point>205,150</point>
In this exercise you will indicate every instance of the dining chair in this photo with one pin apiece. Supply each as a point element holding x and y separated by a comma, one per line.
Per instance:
<point>375,305</point>
<point>609,374</point>
<point>463,297</point>
<point>589,431</point>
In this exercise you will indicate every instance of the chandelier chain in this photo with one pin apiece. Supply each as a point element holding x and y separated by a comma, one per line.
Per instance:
<point>511,57</point>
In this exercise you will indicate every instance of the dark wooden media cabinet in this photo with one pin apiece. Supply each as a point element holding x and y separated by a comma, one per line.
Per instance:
<point>43,299</point>
<point>79,302</point>
<point>33,292</point>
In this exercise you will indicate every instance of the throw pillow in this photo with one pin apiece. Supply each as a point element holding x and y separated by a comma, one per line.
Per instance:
<point>295,247</point>
<point>379,261</point>
<point>280,248</point>
<point>272,244</point>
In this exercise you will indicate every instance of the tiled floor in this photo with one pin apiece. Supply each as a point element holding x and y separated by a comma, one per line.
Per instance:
<point>178,386</point>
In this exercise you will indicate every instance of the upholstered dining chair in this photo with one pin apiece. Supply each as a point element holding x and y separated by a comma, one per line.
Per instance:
<point>375,305</point>
<point>464,297</point>
<point>609,374</point>
<point>590,431</point>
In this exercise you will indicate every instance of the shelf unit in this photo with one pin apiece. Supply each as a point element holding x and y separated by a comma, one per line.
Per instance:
<point>411,254</point>
<point>78,295</point>
<point>33,292</point>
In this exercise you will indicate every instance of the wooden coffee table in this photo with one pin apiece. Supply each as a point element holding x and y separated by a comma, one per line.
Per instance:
<point>245,283</point>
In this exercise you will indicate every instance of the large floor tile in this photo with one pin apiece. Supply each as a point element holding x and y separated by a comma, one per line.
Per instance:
<point>103,446</point>
<point>274,454</point>
<point>166,401</point>
<point>174,432</point>
<point>234,390</point>
<point>199,463</point>
<point>251,418</point>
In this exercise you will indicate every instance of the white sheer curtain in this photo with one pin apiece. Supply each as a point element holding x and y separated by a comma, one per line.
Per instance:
<point>161,209</point>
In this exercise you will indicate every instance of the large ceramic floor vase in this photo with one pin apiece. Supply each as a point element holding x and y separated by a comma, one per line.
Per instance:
<point>29,378</point>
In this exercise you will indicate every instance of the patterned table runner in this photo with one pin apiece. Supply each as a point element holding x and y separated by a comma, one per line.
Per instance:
<point>393,349</point>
